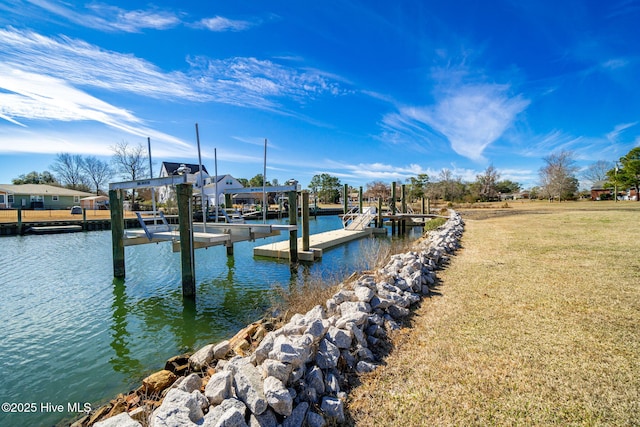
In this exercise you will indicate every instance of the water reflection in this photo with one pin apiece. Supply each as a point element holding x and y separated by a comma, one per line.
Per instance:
<point>122,362</point>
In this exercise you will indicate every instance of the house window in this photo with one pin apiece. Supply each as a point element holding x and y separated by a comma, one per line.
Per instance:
<point>2,199</point>
<point>10,198</point>
<point>54,198</point>
<point>76,199</point>
<point>37,198</point>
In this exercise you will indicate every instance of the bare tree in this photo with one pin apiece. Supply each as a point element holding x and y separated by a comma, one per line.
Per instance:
<point>69,170</point>
<point>130,162</point>
<point>487,184</point>
<point>597,171</point>
<point>97,171</point>
<point>557,177</point>
<point>378,190</point>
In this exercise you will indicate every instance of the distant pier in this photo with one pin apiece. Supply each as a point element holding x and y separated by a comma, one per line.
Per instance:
<point>317,243</point>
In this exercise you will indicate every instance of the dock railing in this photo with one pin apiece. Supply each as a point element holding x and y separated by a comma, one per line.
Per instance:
<point>356,220</point>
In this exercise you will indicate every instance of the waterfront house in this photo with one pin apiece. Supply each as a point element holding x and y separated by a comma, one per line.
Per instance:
<point>192,171</point>
<point>215,190</point>
<point>39,196</point>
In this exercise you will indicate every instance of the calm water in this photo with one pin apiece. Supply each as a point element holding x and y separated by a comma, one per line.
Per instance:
<point>71,334</point>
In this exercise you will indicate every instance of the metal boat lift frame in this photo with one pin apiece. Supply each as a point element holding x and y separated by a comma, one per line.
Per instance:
<point>188,235</point>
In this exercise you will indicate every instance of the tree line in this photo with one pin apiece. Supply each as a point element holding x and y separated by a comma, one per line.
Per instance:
<point>88,173</point>
<point>558,178</point>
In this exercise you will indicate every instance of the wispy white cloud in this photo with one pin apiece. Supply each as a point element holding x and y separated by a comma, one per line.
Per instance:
<point>247,82</point>
<point>471,117</point>
<point>30,97</point>
<point>111,18</point>
<point>538,146</point>
<point>82,64</point>
<point>108,18</point>
<point>617,130</point>
<point>614,64</point>
<point>219,24</point>
<point>257,83</point>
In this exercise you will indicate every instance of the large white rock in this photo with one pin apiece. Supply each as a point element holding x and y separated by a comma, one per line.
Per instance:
<point>327,355</point>
<point>278,396</point>
<point>190,383</point>
<point>248,385</point>
<point>339,337</point>
<point>221,349</point>
<point>201,358</point>
<point>178,408</point>
<point>219,387</point>
<point>230,413</point>
<point>275,368</point>
<point>120,420</point>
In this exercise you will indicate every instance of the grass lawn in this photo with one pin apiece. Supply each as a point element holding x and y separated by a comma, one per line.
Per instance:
<point>534,322</point>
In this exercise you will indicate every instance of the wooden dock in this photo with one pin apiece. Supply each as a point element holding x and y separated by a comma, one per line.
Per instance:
<point>317,243</point>
<point>54,229</point>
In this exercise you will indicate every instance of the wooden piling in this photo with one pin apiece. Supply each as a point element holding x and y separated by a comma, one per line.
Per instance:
<point>380,222</point>
<point>116,206</point>
<point>428,205</point>
<point>293,220</point>
<point>360,200</point>
<point>393,198</point>
<point>184,194</point>
<point>84,219</point>
<point>403,195</point>
<point>20,222</point>
<point>305,221</point>
<point>345,198</point>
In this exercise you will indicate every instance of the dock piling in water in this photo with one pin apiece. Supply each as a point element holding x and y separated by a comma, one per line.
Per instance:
<point>184,193</point>
<point>305,221</point>
<point>293,220</point>
<point>117,232</point>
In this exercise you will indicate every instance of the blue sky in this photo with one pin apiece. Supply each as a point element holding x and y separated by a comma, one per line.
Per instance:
<point>361,90</point>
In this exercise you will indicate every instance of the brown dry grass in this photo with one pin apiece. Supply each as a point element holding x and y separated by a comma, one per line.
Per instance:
<point>535,323</point>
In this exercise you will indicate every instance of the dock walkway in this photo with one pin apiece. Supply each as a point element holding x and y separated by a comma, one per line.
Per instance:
<point>317,243</point>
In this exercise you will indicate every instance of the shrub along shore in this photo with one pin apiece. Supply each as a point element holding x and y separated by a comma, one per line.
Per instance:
<point>298,373</point>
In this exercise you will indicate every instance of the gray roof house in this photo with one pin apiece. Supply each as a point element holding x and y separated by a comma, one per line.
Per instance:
<point>39,196</point>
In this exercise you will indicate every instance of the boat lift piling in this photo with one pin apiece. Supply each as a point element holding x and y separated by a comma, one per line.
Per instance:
<point>184,193</point>
<point>189,235</point>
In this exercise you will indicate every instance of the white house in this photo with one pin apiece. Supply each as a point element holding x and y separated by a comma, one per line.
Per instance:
<point>192,171</point>
<point>225,182</point>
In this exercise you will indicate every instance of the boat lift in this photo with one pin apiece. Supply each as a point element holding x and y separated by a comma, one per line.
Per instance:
<point>187,236</point>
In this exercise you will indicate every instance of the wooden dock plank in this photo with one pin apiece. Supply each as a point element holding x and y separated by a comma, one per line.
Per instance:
<point>317,243</point>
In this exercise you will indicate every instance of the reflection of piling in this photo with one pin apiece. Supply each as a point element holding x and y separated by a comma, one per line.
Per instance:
<point>184,194</point>
<point>117,232</point>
